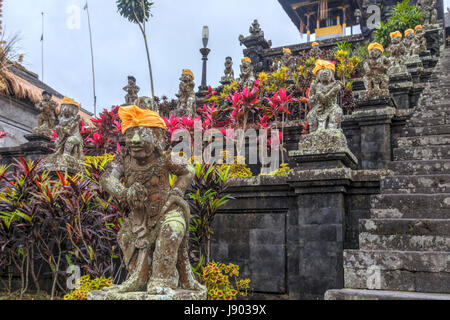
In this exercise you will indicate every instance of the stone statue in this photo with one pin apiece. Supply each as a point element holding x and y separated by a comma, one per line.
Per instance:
<point>154,237</point>
<point>428,7</point>
<point>47,117</point>
<point>376,66</point>
<point>288,61</point>
<point>412,48</point>
<point>247,77</point>
<point>324,90</point>
<point>132,91</point>
<point>397,52</point>
<point>68,155</point>
<point>315,50</point>
<point>147,103</point>
<point>228,76</point>
<point>419,37</point>
<point>325,141</point>
<point>186,105</point>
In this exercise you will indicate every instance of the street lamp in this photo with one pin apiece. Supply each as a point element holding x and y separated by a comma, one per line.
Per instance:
<point>204,51</point>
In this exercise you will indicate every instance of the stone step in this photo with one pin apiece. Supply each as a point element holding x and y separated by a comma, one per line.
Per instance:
<point>419,167</point>
<point>423,141</point>
<point>418,121</point>
<point>429,113</point>
<point>422,153</point>
<point>361,294</point>
<point>419,271</point>
<point>411,202</point>
<point>416,184</point>
<point>409,214</point>
<point>434,107</point>
<point>426,131</point>
<point>404,234</point>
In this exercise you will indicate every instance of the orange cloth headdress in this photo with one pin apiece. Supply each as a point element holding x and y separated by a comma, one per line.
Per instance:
<point>315,44</point>
<point>323,64</point>
<point>133,116</point>
<point>408,32</point>
<point>419,26</point>
<point>395,34</point>
<point>287,50</point>
<point>189,72</point>
<point>375,45</point>
<point>246,59</point>
<point>69,101</point>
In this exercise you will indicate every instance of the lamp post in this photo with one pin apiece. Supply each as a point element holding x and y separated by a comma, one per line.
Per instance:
<point>204,51</point>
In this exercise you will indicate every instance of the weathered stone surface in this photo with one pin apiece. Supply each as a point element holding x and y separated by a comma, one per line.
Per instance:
<point>354,294</point>
<point>416,184</point>
<point>422,153</point>
<point>176,295</point>
<point>420,167</point>
<point>423,141</point>
<point>425,131</point>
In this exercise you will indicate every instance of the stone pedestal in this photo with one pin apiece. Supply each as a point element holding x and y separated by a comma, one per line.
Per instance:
<point>37,147</point>
<point>415,68</point>
<point>323,149</point>
<point>374,117</point>
<point>176,295</point>
<point>400,86</point>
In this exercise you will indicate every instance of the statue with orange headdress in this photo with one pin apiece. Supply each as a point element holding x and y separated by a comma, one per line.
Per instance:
<point>413,48</point>
<point>397,52</point>
<point>326,112</point>
<point>420,39</point>
<point>68,155</point>
<point>154,237</point>
<point>247,76</point>
<point>376,66</point>
<point>288,62</point>
<point>315,50</point>
<point>186,105</point>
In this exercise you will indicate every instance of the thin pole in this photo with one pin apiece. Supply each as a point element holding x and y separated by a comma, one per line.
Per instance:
<point>42,48</point>
<point>92,59</point>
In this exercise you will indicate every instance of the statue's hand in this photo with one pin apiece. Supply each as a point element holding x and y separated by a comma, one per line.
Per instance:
<point>175,199</point>
<point>136,196</point>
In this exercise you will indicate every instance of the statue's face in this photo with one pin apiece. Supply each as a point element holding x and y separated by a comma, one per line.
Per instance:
<point>325,75</point>
<point>68,110</point>
<point>186,82</point>
<point>46,97</point>
<point>245,66</point>
<point>374,53</point>
<point>141,142</point>
<point>410,36</point>
<point>396,40</point>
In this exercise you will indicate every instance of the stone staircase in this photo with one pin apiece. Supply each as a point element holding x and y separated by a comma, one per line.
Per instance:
<point>405,246</point>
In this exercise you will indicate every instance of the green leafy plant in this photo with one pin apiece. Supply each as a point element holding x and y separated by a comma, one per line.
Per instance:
<point>87,285</point>
<point>404,16</point>
<point>223,283</point>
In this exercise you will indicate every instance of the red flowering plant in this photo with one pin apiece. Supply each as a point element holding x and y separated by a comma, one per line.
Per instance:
<point>105,136</point>
<point>3,134</point>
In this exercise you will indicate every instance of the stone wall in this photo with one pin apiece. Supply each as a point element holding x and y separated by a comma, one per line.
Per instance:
<point>287,233</point>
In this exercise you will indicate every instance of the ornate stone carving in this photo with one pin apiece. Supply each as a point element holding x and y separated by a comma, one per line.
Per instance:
<point>376,66</point>
<point>186,105</point>
<point>315,50</point>
<point>420,39</point>
<point>288,61</point>
<point>68,155</point>
<point>154,237</point>
<point>228,76</point>
<point>429,9</point>
<point>397,52</point>
<point>412,48</point>
<point>132,91</point>
<point>147,103</point>
<point>324,90</point>
<point>255,45</point>
<point>247,77</point>
<point>47,117</point>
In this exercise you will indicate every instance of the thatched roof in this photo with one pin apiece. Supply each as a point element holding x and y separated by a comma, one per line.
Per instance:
<point>26,85</point>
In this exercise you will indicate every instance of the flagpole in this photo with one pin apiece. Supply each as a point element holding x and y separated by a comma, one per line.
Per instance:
<point>86,7</point>
<point>42,48</point>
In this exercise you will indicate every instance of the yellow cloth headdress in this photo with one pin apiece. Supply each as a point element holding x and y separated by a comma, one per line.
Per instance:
<point>69,101</point>
<point>408,32</point>
<point>419,26</point>
<point>395,34</point>
<point>189,72</point>
<point>246,59</point>
<point>323,64</point>
<point>315,44</point>
<point>375,45</point>
<point>287,50</point>
<point>133,116</point>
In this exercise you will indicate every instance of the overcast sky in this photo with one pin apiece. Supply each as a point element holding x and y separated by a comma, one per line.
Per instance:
<point>174,38</point>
